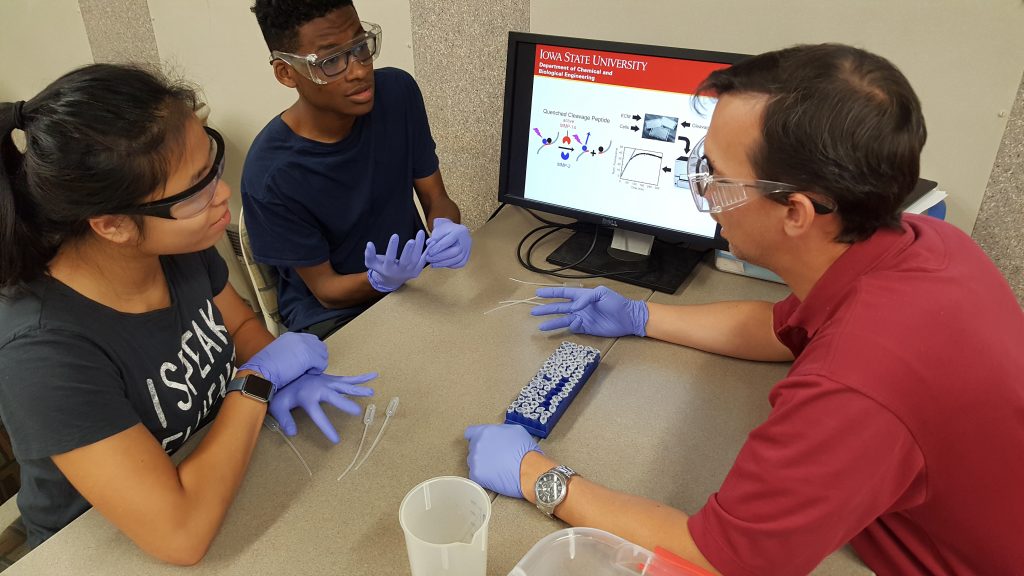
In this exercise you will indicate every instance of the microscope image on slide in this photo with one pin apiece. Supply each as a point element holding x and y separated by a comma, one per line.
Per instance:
<point>658,127</point>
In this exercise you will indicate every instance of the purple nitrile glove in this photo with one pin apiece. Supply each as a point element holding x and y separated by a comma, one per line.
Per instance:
<point>309,390</point>
<point>387,273</point>
<point>495,454</point>
<point>449,246</point>
<point>598,311</point>
<point>289,356</point>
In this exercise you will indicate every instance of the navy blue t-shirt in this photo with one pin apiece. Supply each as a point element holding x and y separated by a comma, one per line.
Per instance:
<point>308,202</point>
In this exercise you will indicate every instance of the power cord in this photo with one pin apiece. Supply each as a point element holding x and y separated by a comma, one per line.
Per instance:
<point>496,210</point>
<point>551,228</point>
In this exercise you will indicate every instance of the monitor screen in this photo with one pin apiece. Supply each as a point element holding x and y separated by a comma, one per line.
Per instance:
<point>604,132</point>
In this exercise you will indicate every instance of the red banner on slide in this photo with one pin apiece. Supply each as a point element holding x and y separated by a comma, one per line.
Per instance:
<point>631,70</point>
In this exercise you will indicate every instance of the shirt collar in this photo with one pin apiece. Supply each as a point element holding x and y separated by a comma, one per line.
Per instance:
<point>828,293</point>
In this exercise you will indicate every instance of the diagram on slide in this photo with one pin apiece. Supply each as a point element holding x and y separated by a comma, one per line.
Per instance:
<point>639,165</point>
<point>578,146</point>
<point>617,143</point>
<point>545,142</point>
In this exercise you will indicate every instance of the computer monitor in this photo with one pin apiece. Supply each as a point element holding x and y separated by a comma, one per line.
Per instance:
<point>606,133</point>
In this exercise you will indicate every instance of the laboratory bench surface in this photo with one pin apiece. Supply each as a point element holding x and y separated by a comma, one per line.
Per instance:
<point>655,419</point>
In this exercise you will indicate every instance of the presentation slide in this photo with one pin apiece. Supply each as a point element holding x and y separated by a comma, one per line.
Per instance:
<point>611,134</point>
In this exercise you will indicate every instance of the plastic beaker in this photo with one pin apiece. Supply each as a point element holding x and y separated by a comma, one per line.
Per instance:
<point>445,523</point>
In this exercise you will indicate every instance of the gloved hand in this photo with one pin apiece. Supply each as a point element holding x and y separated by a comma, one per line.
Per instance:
<point>289,356</point>
<point>449,246</point>
<point>599,311</point>
<point>309,390</point>
<point>387,273</point>
<point>495,453</point>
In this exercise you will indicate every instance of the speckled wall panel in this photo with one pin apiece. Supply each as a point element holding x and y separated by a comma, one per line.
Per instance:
<point>459,51</point>
<point>120,30</point>
<point>1000,225</point>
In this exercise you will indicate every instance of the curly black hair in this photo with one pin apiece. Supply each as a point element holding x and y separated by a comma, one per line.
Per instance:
<point>280,20</point>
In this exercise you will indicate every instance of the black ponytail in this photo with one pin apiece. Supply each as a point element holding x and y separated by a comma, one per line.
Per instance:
<point>19,246</point>
<point>98,140</point>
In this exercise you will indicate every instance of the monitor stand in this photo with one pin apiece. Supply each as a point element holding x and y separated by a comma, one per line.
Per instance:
<point>664,268</point>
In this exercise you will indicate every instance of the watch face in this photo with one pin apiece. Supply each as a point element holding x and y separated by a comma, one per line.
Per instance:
<point>258,387</point>
<point>550,488</point>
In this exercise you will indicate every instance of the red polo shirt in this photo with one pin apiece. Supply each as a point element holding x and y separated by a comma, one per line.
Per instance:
<point>900,426</point>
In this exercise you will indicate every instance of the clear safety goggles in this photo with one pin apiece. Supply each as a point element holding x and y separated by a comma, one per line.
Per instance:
<point>365,48</point>
<point>715,194</point>
<point>197,198</point>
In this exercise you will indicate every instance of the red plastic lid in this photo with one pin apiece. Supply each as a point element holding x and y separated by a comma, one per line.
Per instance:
<point>666,563</point>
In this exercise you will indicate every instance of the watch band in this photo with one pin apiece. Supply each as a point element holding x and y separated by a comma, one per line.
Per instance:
<point>253,386</point>
<point>562,473</point>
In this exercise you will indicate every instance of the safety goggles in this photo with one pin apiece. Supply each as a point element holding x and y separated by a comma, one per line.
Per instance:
<point>715,194</point>
<point>363,48</point>
<point>197,198</point>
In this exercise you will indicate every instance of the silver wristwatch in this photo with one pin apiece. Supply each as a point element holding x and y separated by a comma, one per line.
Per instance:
<point>552,487</point>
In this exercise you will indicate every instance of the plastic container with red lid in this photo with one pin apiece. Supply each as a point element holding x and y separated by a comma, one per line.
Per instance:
<point>593,552</point>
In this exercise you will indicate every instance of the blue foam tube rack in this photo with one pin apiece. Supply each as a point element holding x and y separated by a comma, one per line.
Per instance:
<point>546,397</point>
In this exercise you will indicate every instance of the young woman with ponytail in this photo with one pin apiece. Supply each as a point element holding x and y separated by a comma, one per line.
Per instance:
<point>119,333</point>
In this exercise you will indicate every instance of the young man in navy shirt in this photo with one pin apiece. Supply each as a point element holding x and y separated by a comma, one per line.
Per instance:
<point>330,179</point>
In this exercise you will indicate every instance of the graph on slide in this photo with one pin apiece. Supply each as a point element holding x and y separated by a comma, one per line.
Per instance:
<point>639,165</point>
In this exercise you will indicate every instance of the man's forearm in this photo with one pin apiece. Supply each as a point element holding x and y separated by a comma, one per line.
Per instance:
<point>741,329</point>
<point>434,199</point>
<point>443,208</point>
<point>642,521</point>
<point>345,291</point>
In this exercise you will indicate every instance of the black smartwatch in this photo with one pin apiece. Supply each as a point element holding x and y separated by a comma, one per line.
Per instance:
<point>253,386</point>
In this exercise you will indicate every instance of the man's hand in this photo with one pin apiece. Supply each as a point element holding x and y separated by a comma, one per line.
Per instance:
<point>495,454</point>
<point>449,246</point>
<point>387,273</point>
<point>598,311</point>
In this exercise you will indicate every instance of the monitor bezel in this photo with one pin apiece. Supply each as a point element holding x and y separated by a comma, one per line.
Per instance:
<point>518,198</point>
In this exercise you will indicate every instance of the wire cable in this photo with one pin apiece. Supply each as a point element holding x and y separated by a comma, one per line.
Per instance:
<point>572,225</point>
<point>496,210</point>
<point>551,228</point>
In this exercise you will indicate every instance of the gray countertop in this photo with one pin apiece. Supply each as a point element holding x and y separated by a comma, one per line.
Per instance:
<point>657,420</point>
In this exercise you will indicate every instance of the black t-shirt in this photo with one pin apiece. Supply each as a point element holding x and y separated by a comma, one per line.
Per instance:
<point>73,372</point>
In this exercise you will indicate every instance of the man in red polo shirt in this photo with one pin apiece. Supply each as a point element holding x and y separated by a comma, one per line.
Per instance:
<point>900,426</point>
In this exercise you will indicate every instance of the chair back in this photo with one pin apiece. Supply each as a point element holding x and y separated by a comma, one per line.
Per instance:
<point>264,281</point>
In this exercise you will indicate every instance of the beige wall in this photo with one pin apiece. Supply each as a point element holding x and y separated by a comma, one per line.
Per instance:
<point>39,41</point>
<point>218,44</point>
<point>963,58</point>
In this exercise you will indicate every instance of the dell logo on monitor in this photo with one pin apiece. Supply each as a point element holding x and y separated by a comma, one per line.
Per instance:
<point>609,223</point>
